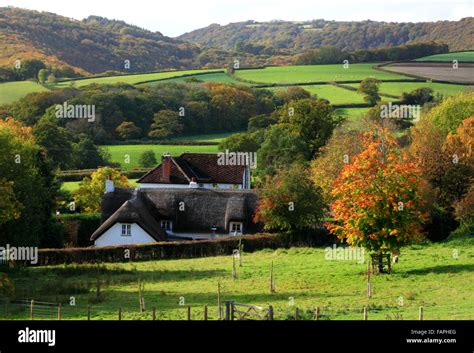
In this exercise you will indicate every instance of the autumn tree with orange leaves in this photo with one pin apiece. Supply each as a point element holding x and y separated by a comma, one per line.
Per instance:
<point>378,200</point>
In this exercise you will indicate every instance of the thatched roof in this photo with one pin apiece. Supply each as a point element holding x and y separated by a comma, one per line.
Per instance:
<point>133,211</point>
<point>190,210</point>
<point>203,167</point>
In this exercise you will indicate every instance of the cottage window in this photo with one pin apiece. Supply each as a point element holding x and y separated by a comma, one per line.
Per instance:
<point>236,227</point>
<point>167,225</point>
<point>126,230</point>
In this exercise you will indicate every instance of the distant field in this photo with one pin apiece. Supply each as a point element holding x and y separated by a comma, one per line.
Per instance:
<point>132,79</point>
<point>397,88</point>
<point>215,77</point>
<point>72,186</point>
<point>205,137</point>
<point>352,114</point>
<point>461,56</point>
<point>314,73</point>
<point>334,94</point>
<point>464,73</point>
<point>12,91</point>
<point>119,152</point>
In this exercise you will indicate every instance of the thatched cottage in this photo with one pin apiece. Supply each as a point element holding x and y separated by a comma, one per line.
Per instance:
<point>146,215</point>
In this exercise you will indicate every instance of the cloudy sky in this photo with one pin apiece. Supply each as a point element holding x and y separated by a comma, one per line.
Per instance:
<point>175,17</point>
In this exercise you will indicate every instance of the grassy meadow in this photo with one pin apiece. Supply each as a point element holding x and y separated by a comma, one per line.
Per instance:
<point>131,79</point>
<point>436,276</point>
<point>13,91</point>
<point>119,153</point>
<point>336,95</point>
<point>397,88</point>
<point>315,73</point>
<point>461,56</point>
<point>212,77</point>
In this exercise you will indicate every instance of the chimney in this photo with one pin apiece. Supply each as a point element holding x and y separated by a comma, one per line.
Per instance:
<point>109,184</point>
<point>166,167</point>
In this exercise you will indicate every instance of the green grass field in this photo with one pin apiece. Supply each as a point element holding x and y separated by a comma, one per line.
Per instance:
<point>131,79</point>
<point>397,88</point>
<point>352,114</point>
<point>213,77</point>
<point>314,73</point>
<point>461,56</point>
<point>12,91</point>
<point>336,95</point>
<point>119,153</point>
<point>205,137</point>
<point>429,275</point>
<point>72,186</point>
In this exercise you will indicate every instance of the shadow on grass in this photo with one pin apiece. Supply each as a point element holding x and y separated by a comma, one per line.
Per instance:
<point>442,269</point>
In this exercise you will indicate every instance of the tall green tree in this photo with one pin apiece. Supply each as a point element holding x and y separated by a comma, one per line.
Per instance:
<point>370,88</point>
<point>165,123</point>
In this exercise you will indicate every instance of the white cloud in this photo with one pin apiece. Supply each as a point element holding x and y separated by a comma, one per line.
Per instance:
<point>175,17</point>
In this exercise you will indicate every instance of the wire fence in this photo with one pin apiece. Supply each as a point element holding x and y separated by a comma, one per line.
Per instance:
<point>38,310</point>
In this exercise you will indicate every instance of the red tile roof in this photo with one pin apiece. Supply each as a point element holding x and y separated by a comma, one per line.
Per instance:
<point>202,166</point>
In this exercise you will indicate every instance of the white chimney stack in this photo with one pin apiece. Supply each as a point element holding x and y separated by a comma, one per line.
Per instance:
<point>109,185</point>
<point>193,184</point>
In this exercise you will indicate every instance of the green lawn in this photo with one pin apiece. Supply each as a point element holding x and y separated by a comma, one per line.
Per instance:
<point>132,79</point>
<point>461,56</point>
<point>12,91</point>
<point>215,77</point>
<point>352,114</point>
<point>314,73</point>
<point>205,137</point>
<point>428,275</point>
<point>397,88</point>
<point>336,95</point>
<point>72,186</point>
<point>120,153</point>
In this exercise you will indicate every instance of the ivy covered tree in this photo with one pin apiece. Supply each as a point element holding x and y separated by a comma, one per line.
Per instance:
<point>378,199</point>
<point>290,201</point>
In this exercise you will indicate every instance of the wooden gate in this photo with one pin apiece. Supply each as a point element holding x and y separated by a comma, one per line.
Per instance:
<point>237,311</point>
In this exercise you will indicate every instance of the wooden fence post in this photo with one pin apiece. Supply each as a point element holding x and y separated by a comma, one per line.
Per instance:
<point>234,271</point>
<point>120,313</point>
<point>317,313</point>
<point>88,313</point>
<point>153,311</point>
<point>297,314</point>
<point>189,312</point>
<point>205,312</point>
<point>32,304</point>
<point>270,312</point>
<point>228,309</point>
<point>365,313</point>
<point>420,314</point>
<point>219,304</point>
<point>272,280</point>
<point>59,311</point>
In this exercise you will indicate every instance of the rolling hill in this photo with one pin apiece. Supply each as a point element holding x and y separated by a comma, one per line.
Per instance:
<point>270,37</point>
<point>92,45</point>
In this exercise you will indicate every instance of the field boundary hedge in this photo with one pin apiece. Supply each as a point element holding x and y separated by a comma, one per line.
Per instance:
<point>180,250</point>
